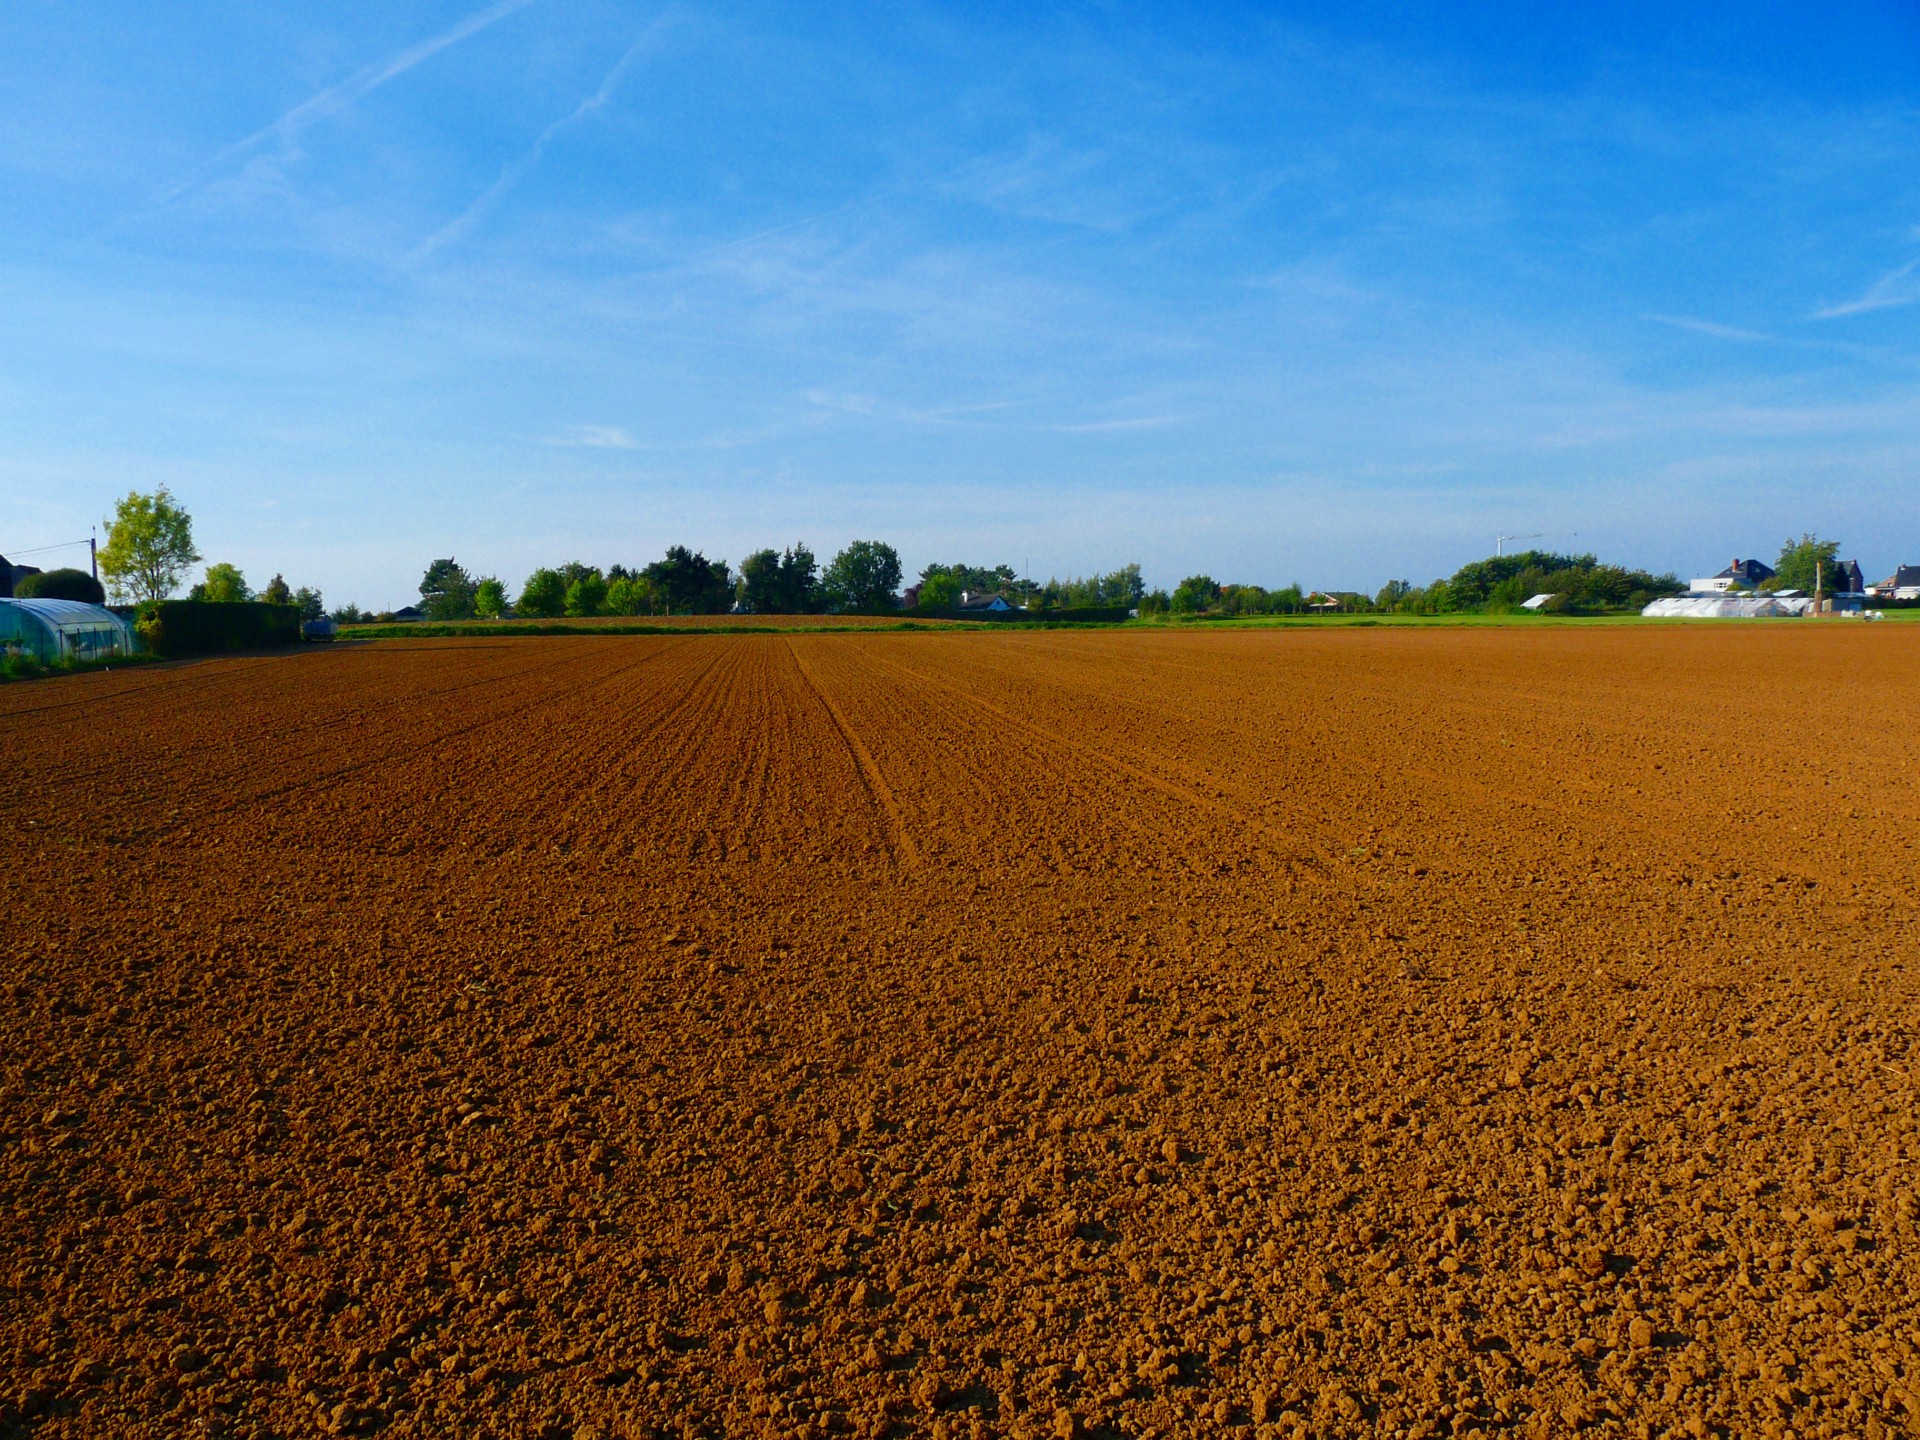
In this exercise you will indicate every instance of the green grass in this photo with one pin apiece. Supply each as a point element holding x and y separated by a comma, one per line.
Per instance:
<point>26,667</point>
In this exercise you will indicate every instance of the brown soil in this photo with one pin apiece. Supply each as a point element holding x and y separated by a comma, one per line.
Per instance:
<point>1369,1032</point>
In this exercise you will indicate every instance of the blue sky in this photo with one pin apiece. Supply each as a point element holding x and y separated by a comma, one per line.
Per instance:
<point>1335,295</point>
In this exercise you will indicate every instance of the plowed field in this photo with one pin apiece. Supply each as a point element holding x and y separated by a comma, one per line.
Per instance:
<point>1333,1033</point>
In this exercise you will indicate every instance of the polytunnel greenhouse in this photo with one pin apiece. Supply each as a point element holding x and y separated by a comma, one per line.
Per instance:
<point>55,630</point>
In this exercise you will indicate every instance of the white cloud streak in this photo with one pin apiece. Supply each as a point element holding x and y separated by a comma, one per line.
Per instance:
<point>594,437</point>
<point>1710,327</point>
<point>336,98</point>
<point>1890,290</point>
<point>513,174</point>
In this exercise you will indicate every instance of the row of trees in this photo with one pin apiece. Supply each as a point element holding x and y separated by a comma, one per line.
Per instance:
<point>149,551</point>
<point>1580,584</point>
<point>862,578</point>
<point>226,583</point>
<point>941,587</point>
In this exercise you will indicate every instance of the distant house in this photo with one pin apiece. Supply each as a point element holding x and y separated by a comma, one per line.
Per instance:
<point>409,612</point>
<point>978,603</point>
<point>1847,578</point>
<point>11,575</point>
<point>1740,575</point>
<point>1903,584</point>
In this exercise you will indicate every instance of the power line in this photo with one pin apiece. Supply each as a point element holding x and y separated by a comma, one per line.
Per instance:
<point>64,545</point>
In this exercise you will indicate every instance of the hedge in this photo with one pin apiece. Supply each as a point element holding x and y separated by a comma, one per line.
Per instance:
<point>207,627</point>
<point>64,584</point>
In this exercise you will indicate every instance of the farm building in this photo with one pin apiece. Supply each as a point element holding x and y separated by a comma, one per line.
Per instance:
<point>1903,584</point>
<point>52,630</point>
<point>974,600</point>
<point>1740,575</point>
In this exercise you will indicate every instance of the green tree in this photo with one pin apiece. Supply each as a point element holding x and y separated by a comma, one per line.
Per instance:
<point>65,583</point>
<point>799,581</point>
<point>690,584</point>
<point>489,598</point>
<point>446,591</point>
<point>224,584</point>
<point>277,592</point>
<point>629,595</point>
<point>1392,593</point>
<point>779,582</point>
<point>587,595</point>
<point>308,602</point>
<point>149,546</point>
<point>1155,602</point>
<point>1194,594</point>
<point>760,588</point>
<point>544,596</point>
<point>863,577</point>
<point>939,593</point>
<point>1803,563</point>
<point>348,615</point>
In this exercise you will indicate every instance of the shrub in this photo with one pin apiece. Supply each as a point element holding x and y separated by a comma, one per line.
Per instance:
<point>66,584</point>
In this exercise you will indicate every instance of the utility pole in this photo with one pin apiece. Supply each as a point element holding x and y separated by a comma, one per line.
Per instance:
<point>93,551</point>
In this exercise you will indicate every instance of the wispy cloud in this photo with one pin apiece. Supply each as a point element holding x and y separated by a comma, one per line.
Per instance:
<point>1710,327</point>
<point>513,174</point>
<point>594,437</point>
<point>1896,287</point>
<point>335,98</point>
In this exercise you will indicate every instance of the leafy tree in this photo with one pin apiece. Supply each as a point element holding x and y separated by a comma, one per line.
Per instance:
<point>863,577</point>
<point>1155,602</point>
<point>446,591</point>
<point>690,584</point>
<point>489,598</point>
<point>1392,593</point>
<point>939,593</point>
<point>149,546</point>
<point>630,594</point>
<point>277,591</point>
<point>1803,563</point>
<point>760,588</point>
<point>979,579</point>
<point>799,581</point>
<point>587,595</point>
<point>1194,594</point>
<point>1118,587</point>
<point>348,615</point>
<point>780,582</point>
<point>65,583</point>
<point>1504,581</point>
<point>223,583</point>
<point>308,601</point>
<point>544,596</point>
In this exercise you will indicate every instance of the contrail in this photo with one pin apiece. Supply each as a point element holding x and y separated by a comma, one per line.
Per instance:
<point>517,171</point>
<point>336,98</point>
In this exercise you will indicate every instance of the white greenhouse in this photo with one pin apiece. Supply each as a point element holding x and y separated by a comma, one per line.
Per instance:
<point>55,630</point>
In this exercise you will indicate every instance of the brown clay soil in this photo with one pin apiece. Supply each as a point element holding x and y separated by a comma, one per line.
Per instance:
<point>1371,1032</point>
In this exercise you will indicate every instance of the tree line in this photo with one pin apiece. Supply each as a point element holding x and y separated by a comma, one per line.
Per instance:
<point>150,549</point>
<point>1578,585</point>
<point>861,579</point>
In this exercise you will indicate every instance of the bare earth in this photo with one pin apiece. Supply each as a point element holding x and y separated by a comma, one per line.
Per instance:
<point>1389,1032</point>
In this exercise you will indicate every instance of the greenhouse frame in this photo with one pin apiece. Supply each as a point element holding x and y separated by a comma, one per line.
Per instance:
<point>56,630</point>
